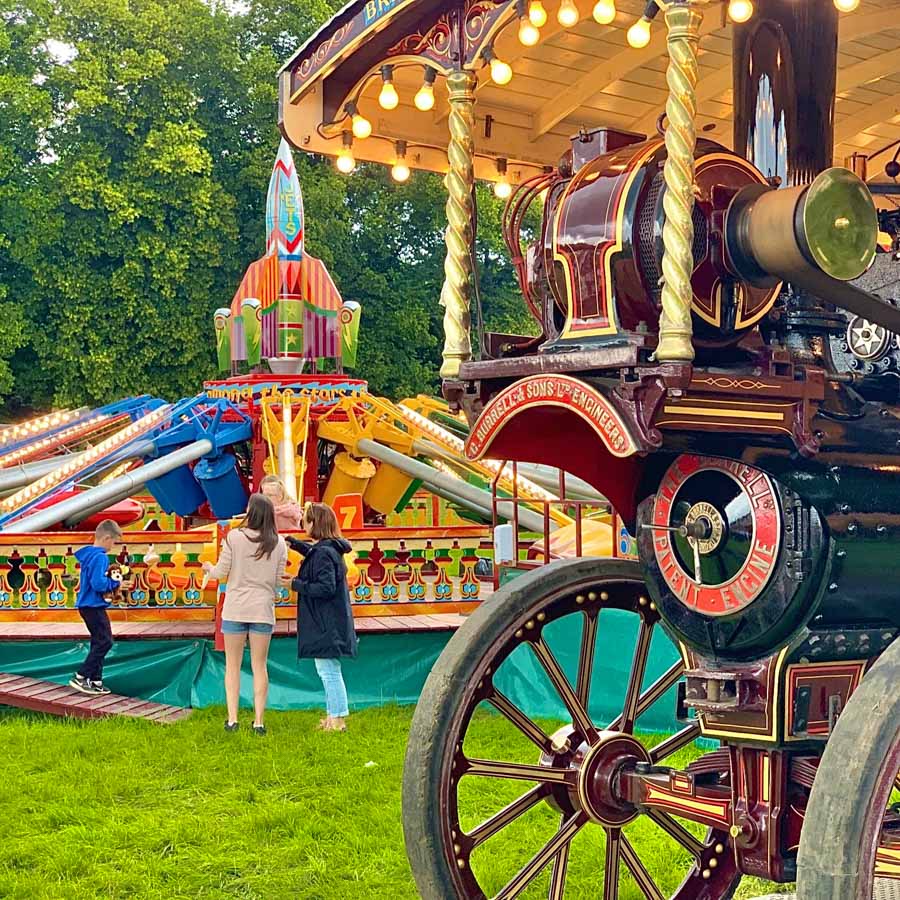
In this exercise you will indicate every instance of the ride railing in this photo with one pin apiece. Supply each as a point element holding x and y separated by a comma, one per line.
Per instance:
<point>595,530</point>
<point>391,571</point>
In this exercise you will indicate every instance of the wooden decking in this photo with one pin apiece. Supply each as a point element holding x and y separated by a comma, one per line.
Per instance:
<point>61,700</point>
<point>187,630</point>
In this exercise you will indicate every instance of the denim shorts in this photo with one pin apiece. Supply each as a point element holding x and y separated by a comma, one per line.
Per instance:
<point>229,627</point>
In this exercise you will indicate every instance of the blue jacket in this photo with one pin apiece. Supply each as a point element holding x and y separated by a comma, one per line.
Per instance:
<point>94,562</point>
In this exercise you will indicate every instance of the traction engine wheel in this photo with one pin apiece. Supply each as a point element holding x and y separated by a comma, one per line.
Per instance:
<point>850,842</point>
<point>527,814</point>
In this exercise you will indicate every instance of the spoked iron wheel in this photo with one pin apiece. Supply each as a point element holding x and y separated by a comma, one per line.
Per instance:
<point>850,842</point>
<point>538,811</point>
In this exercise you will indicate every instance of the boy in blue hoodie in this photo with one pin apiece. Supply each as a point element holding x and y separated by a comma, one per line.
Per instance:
<point>92,605</point>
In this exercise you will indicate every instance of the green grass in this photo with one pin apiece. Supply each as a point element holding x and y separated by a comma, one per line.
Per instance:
<point>120,808</point>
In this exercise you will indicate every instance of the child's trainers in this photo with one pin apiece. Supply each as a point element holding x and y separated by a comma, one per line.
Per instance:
<point>99,688</point>
<point>82,684</point>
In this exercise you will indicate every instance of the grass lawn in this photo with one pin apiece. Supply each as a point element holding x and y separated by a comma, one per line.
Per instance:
<point>120,808</point>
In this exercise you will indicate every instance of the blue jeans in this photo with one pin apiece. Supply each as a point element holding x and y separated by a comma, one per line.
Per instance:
<point>335,693</point>
<point>231,627</point>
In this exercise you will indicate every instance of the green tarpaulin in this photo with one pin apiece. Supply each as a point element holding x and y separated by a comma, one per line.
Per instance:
<point>390,668</point>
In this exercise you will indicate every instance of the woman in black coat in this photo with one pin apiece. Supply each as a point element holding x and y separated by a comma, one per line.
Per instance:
<point>325,630</point>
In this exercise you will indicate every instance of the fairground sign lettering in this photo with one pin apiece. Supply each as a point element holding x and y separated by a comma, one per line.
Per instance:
<point>552,390</point>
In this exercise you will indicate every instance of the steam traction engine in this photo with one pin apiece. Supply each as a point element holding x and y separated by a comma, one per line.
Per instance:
<point>762,483</point>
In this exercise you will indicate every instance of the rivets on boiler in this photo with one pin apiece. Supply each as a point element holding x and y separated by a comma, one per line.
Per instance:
<point>592,595</point>
<point>653,606</point>
<point>720,848</point>
<point>529,624</point>
<point>642,601</point>
<point>579,598</point>
<point>519,633</point>
<point>604,595</point>
<point>541,617</point>
<point>460,864</point>
<point>457,848</point>
<point>713,863</point>
<point>706,874</point>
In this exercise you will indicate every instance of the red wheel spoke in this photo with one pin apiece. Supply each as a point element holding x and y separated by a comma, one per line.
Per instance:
<point>560,868</point>
<point>507,815</point>
<point>656,690</point>
<point>639,872</point>
<point>677,831</point>
<point>579,715</point>
<point>586,659</point>
<point>674,743</point>
<point>638,667</point>
<point>519,771</point>
<point>504,705</point>
<point>611,871</point>
<point>552,848</point>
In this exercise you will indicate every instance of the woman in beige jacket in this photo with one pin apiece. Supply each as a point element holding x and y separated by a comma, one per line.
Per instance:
<point>252,559</point>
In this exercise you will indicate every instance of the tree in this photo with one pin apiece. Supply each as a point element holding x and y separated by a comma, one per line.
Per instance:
<point>147,160</point>
<point>25,112</point>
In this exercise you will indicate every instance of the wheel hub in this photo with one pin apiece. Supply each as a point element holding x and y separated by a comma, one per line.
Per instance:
<point>598,768</point>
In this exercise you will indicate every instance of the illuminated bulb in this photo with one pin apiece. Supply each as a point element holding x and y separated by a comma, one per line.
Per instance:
<point>537,15</point>
<point>501,72</point>
<point>361,126</point>
<point>846,6</point>
<point>604,12</point>
<point>567,15</point>
<point>528,33</point>
<point>502,187</point>
<point>388,98</point>
<point>345,162</point>
<point>639,33</point>
<point>424,98</point>
<point>740,10</point>
<point>400,170</point>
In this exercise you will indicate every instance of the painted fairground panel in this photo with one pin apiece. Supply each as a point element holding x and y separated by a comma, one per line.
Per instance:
<point>392,571</point>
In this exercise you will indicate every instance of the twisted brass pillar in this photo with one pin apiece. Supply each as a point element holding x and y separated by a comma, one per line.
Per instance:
<point>683,20</point>
<point>457,289</point>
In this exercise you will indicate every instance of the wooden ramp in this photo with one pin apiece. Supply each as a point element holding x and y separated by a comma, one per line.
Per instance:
<point>61,700</point>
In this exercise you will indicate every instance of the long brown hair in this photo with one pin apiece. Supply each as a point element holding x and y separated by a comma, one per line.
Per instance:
<point>321,522</point>
<point>260,517</point>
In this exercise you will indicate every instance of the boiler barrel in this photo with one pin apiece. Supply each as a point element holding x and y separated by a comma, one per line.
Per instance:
<point>819,237</point>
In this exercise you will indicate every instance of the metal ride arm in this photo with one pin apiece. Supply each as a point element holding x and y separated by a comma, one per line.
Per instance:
<point>117,489</point>
<point>370,426</point>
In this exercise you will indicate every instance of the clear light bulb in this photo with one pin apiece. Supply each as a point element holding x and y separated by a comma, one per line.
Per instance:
<point>501,72</point>
<point>740,10</point>
<point>424,98</point>
<point>528,33</point>
<point>846,6</point>
<point>388,98</point>
<point>400,171</point>
<point>604,12</point>
<point>537,15</point>
<point>502,188</point>
<point>567,15</point>
<point>639,33</point>
<point>345,162</point>
<point>361,126</point>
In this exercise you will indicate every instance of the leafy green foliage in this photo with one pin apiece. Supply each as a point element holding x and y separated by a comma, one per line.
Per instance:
<point>140,159</point>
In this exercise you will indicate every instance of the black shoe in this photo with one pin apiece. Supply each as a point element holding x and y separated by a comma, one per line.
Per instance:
<point>99,688</point>
<point>231,726</point>
<point>83,685</point>
<point>259,730</point>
